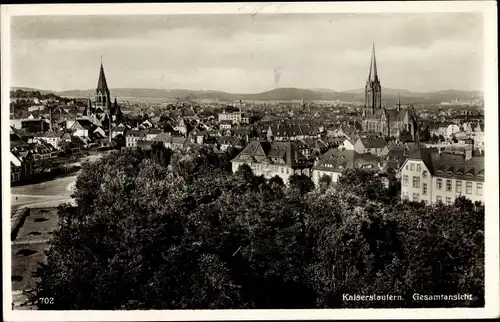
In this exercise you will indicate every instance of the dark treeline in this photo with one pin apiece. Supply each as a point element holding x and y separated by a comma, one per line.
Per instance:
<point>178,230</point>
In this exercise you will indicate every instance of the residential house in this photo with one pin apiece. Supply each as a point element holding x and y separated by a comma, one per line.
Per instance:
<point>282,159</point>
<point>290,132</point>
<point>21,166</point>
<point>32,125</point>
<point>348,144</point>
<point>431,176</point>
<point>133,136</point>
<point>370,145</point>
<point>225,125</point>
<point>152,133</point>
<point>82,127</point>
<point>230,141</point>
<point>335,161</point>
<point>118,130</point>
<point>51,137</point>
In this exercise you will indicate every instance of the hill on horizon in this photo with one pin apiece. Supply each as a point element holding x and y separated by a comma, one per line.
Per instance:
<point>277,94</point>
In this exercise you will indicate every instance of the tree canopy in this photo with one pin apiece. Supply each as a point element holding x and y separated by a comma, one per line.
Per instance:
<point>177,230</point>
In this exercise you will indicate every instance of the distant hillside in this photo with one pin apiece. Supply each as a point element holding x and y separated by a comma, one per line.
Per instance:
<point>29,89</point>
<point>389,96</point>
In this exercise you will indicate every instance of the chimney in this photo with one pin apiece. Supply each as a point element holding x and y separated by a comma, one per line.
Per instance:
<point>469,148</point>
<point>50,118</point>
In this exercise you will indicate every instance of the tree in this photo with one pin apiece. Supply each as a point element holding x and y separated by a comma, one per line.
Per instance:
<point>324,182</point>
<point>405,136</point>
<point>160,154</point>
<point>302,183</point>
<point>189,234</point>
<point>363,185</point>
<point>118,141</point>
<point>425,135</point>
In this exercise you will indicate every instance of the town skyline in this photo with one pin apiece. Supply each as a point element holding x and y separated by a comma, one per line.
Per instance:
<point>234,55</point>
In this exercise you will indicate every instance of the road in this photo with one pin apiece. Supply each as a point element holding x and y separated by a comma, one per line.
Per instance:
<point>45,194</point>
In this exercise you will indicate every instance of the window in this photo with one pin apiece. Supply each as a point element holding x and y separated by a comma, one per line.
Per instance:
<point>412,167</point>
<point>405,196</point>
<point>424,189</point>
<point>405,181</point>
<point>416,197</point>
<point>418,167</point>
<point>448,200</point>
<point>448,185</point>
<point>406,167</point>
<point>424,174</point>
<point>468,188</point>
<point>282,170</point>
<point>439,184</point>
<point>458,187</point>
<point>479,189</point>
<point>416,182</point>
<point>438,199</point>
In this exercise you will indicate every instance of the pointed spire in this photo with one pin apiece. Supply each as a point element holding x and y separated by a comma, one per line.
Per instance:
<point>102,85</point>
<point>373,75</point>
<point>399,103</point>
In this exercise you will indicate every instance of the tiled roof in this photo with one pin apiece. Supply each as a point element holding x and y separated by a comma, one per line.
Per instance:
<point>154,131</point>
<point>118,129</point>
<point>290,130</point>
<point>450,165</point>
<point>136,133</point>
<point>178,140</point>
<point>275,152</point>
<point>373,143</point>
<point>338,160</point>
<point>164,137</point>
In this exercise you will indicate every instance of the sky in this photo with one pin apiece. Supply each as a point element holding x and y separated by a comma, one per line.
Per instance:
<point>242,53</point>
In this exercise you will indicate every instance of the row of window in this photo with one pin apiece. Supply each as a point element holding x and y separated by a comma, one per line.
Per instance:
<point>262,167</point>
<point>448,199</point>
<point>449,186</point>
<point>458,186</point>
<point>416,198</point>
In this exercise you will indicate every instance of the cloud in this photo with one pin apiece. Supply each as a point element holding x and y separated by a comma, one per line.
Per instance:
<point>241,52</point>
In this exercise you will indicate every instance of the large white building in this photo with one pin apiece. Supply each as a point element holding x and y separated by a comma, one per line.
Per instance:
<point>430,176</point>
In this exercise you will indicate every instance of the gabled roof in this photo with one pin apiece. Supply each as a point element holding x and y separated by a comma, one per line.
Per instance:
<point>337,160</point>
<point>276,152</point>
<point>82,124</point>
<point>102,85</point>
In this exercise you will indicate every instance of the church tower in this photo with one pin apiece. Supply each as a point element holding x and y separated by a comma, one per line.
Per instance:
<point>102,97</point>
<point>373,90</point>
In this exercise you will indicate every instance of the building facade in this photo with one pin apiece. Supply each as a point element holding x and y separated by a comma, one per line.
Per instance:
<point>378,119</point>
<point>282,159</point>
<point>430,176</point>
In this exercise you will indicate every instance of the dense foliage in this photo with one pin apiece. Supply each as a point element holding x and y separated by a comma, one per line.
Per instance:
<point>178,230</point>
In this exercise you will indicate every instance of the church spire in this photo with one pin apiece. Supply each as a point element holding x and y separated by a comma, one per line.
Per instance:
<point>373,90</point>
<point>373,75</point>
<point>102,85</point>
<point>399,103</point>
